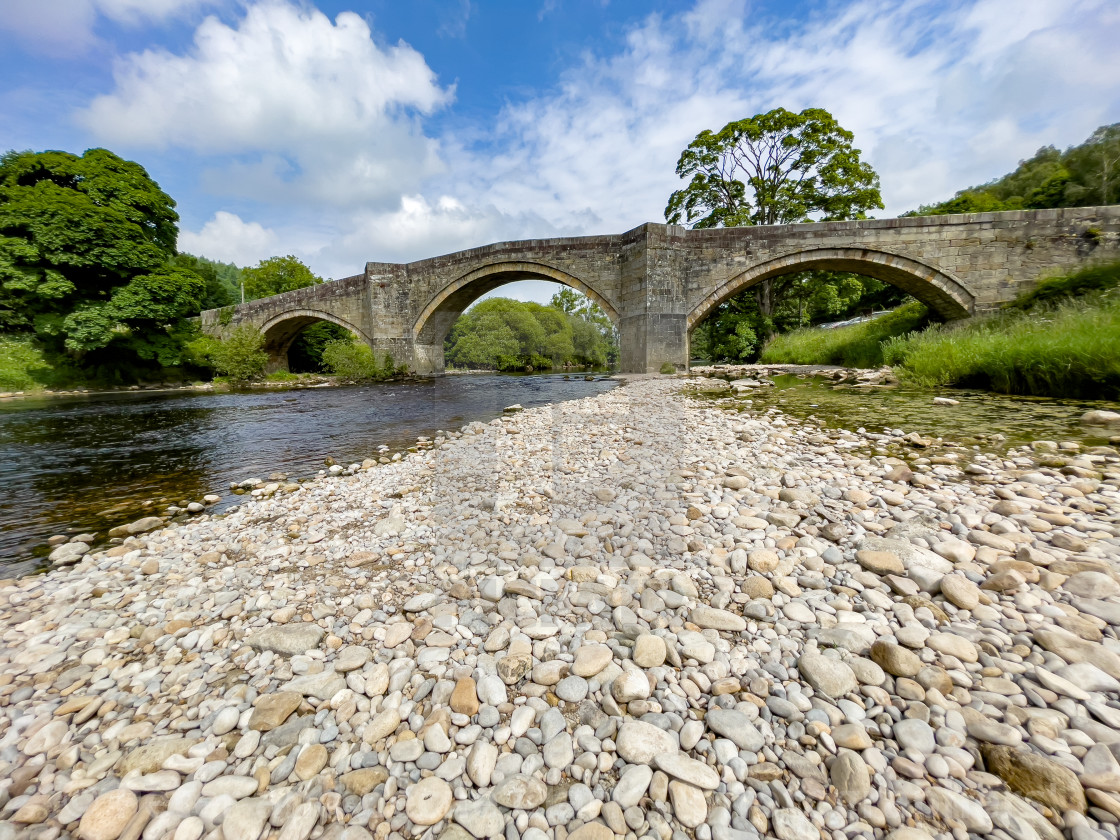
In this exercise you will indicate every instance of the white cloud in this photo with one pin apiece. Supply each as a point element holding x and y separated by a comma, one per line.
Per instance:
<point>940,96</point>
<point>311,110</point>
<point>324,127</point>
<point>228,238</point>
<point>59,26</point>
<point>455,20</point>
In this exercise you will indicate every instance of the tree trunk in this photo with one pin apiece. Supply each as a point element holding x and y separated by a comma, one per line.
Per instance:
<point>764,294</point>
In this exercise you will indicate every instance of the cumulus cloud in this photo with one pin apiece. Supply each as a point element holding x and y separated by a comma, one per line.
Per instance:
<point>325,127</point>
<point>58,26</point>
<point>228,238</point>
<point>311,110</point>
<point>940,96</point>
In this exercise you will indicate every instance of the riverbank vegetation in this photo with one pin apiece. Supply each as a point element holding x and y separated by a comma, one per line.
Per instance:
<point>1081,176</point>
<point>1060,340</point>
<point>857,345</point>
<point>93,292</point>
<point>503,334</point>
<point>727,190</point>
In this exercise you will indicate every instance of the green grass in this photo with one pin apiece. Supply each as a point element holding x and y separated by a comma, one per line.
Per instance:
<point>22,365</point>
<point>1089,281</point>
<point>1066,349</point>
<point>860,345</point>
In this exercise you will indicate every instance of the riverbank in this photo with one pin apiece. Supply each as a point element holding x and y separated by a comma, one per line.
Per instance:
<point>80,465</point>
<point>616,616</point>
<point>1062,339</point>
<point>302,380</point>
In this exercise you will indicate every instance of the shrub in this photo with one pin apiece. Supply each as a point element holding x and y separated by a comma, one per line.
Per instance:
<point>858,345</point>
<point>241,356</point>
<point>355,361</point>
<point>668,368</point>
<point>1095,278</point>
<point>20,362</point>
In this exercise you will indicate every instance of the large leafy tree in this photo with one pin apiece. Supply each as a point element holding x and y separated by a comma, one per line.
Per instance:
<point>771,169</point>
<point>508,334</point>
<point>85,246</point>
<point>593,332</point>
<point>277,275</point>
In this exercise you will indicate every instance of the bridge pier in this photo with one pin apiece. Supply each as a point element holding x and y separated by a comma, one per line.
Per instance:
<point>648,341</point>
<point>658,282</point>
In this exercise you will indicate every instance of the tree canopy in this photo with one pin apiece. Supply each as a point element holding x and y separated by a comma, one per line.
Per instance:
<point>276,275</point>
<point>222,280</point>
<point>86,244</point>
<point>503,334</point>
<point>774,168</point>
<point>1088,174</point>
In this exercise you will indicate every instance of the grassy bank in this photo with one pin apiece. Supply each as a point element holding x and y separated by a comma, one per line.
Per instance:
<point>1069,349</point>
<point>860,345</point>
<point>1062,339</point>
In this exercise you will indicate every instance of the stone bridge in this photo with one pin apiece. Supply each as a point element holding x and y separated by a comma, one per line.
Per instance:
<point>657,282</point>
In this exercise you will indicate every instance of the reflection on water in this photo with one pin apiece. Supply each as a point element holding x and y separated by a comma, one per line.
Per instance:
<point>73,464</point>
<point>980,416</point>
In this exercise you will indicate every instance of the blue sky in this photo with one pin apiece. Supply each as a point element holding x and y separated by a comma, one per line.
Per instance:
<point>350,131</point>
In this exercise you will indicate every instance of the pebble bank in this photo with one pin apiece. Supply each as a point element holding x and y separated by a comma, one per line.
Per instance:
<point>638,615</point>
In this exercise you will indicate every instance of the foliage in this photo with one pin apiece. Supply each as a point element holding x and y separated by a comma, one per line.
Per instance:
<point>22,364</point>
<point>1068,349</point>
<point>1081,175</point>
<point>734,331</point>
<point>668,368</point>
<point>502,334</point>
<point>87,263</point>
<point>730,334</point>
<point>146,316</point>
<point>769,169</point>
<point>353,360</point>
<point>594,334</point>
<point>858,345</point>
<point>241,356</point>
<point>222,280</point>
<point>277,275</point>
<point>1094,278</point>
<point>305,355</point>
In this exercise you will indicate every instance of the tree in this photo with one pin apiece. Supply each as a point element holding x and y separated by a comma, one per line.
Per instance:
<point>568,300</point>
<point>1081,175</point>
<point>585,309</point>
<point>306,354</point>
<point>241,356</point>
<point>223,280</point>
<point>769,169</point>
<point>85,247</point>
<point>277,275</point>
<point>507,334</point>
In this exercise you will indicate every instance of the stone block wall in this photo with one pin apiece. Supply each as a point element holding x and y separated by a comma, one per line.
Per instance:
<point>659,281</point>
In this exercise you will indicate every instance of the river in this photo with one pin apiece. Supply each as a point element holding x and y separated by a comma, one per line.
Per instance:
<point>74,464</point>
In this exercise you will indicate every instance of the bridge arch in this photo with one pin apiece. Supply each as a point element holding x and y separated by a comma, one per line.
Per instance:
<point>281,330</point>
<point>436,319</point>
<point>942,293</point>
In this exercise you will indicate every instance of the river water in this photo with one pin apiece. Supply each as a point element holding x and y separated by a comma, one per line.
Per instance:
<point>75,464</point>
